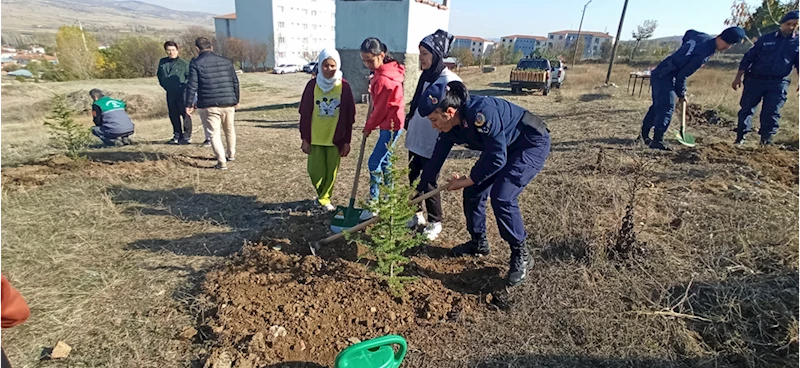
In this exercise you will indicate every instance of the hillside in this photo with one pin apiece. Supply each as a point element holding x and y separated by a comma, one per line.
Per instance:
<point>27,16</point>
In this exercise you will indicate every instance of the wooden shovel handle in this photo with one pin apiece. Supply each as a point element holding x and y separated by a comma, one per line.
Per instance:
<point>358,166</point>
<point>377,218</point>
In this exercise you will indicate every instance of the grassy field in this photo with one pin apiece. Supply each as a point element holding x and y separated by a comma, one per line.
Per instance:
<point>114,254</point>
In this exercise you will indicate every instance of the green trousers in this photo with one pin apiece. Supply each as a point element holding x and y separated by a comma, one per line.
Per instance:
<point>323,163</point>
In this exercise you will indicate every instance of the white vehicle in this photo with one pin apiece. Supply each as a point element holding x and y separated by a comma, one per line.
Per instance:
<point>287,68</point>
<point>558,73</point>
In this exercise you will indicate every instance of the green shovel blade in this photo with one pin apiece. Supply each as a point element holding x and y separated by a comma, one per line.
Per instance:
<point>685,139</point>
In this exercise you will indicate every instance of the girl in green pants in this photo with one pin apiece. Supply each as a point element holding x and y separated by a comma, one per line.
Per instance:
<point>327,114</point>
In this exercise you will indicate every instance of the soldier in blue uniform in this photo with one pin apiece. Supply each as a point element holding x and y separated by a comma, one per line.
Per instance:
<point>766,68</point>
<point>668,79</point>
<point>514,145</point>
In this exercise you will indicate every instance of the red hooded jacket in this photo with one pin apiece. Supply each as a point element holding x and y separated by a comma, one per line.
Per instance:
<point>386,87</point>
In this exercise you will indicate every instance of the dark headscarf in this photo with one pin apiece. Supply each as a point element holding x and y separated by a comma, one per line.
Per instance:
<point>438,44</point>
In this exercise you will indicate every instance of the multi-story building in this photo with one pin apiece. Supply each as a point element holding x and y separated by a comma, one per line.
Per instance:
<point>524,44</point>
<point>593,41</point>
<point>292,29</point>
<point>479,46</point>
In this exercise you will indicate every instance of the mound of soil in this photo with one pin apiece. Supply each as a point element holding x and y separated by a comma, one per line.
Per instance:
<point>272,306</point>
<point>137,104</point>
<point>44,170</point>
<point>774,163</point>
<point>696,114</point>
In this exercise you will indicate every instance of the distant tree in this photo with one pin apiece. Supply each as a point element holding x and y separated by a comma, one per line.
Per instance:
<point>580,44</point>
<point>133,57</point>
<point>463,55</point>
<point>234,50</point>
<point>515,57</point>
<point>605,50</point>
<point>187,38</point>
<point>643,31</point>
<point>77,52</point>
<point>763,19</point>
<point>255,54</point>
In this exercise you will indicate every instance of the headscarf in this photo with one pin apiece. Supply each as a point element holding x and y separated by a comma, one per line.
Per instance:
<point>438,44</point>
<point>325,84</point>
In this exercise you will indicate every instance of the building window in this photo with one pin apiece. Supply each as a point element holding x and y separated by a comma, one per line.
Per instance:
<point>333,28</point>
<point>281,40</point>
<point>305,26</point>
<point>596,40</point>
<point>280,9</point>
<point>314,26</point>
<point>281,24</point>
<point>305,11</point>
<point>551,37</point>
<point>282,54</point>
<point>313,13</point>
<point>560,37</point>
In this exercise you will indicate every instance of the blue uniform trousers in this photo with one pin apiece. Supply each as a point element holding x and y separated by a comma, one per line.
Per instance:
<point>773,92</point>
<point>525,158</point>
<point>660,113</point>
<point>109,139</point>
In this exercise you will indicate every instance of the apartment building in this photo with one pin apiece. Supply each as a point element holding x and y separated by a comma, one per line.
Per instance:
<point>479,46</point>
<point>292,29</point>
<point>523,43</point>
<point>593,41</point>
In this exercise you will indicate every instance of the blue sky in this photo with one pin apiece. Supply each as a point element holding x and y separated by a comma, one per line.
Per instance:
<point>537,17</point>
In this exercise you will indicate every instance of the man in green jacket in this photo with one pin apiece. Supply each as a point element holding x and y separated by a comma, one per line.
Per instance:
<point>172,74</point>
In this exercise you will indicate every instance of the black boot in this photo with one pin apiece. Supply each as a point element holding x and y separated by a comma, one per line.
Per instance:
<point>740,141</point>
<point>645,136</point>
<point>766,140</point>
<point>659,143</point>
<point>520,263</point>
<point>478,246</point>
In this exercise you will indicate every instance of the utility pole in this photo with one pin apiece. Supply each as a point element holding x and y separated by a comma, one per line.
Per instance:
<point>616,42</point>
<point>83,35</point>
<point>580,27</point>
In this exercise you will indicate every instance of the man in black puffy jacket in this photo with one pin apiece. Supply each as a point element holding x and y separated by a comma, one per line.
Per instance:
<point>213,79</point>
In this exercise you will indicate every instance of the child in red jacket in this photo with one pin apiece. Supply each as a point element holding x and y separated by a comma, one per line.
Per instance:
<point>327,114</point>
<point>388,114</point>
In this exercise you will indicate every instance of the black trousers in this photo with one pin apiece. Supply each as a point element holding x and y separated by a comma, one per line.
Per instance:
<point>433,204</point>
<point>177,110</point>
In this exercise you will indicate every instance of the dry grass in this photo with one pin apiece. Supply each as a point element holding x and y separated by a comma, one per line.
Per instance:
<point>109,255</point>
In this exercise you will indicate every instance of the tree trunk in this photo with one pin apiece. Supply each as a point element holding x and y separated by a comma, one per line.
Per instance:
<point>633,51</point>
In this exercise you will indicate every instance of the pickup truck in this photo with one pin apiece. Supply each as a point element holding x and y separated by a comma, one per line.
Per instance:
<point>531,74</point>
<point>557,73</point>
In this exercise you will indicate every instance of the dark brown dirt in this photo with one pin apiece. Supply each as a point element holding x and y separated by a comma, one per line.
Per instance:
<point>771,162</point>
<point>326,302</point>
<point>696,114</point>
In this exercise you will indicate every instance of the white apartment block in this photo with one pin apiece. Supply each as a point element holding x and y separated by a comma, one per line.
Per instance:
<point>593,41</point>
<point>478,46</point>
<point>293,29</point>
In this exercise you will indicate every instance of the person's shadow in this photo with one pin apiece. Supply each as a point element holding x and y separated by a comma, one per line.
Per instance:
<point>245,216</point>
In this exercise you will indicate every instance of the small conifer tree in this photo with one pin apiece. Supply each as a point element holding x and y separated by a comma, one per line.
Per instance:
<point>389,238</point>
<point>64,131</point>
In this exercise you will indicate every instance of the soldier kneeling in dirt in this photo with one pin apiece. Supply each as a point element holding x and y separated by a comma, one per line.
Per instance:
<point>514,145</point>
<point>110,119</point>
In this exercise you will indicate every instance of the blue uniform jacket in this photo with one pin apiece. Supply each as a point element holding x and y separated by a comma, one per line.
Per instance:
<point>697,47</point>
<point>490,125</point>
<point>773,56</point>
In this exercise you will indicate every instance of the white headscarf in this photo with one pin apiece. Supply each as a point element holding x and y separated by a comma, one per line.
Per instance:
<point>325,84</point>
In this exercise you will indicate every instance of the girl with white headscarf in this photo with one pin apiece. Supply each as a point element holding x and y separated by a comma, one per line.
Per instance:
<point>327,114</point>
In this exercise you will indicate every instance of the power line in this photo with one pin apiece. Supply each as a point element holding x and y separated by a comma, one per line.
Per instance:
<point>616,42</point>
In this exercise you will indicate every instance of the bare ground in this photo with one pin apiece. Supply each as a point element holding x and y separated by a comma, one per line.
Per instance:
<point>136,257</point>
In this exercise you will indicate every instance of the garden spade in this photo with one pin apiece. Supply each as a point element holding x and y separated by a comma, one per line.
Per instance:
<point>358,227</point>
<point>683,137</point>
<point>347,217</point>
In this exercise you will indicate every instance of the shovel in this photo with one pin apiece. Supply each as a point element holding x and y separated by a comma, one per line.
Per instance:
<point>684,138</point>
<point>347,217</point>
<point>354,229</point>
